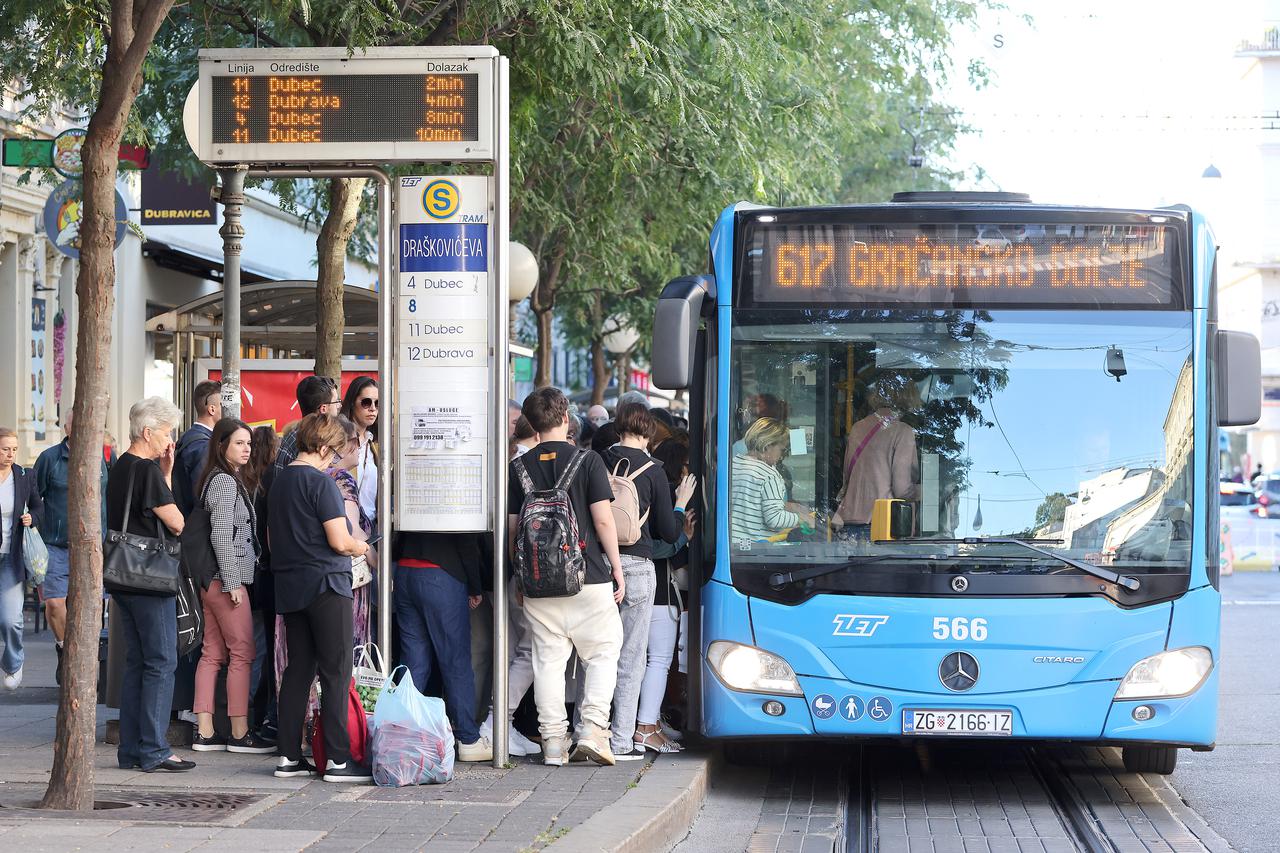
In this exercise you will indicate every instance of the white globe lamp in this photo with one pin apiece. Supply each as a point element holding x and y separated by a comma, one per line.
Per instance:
<point>523,275</point>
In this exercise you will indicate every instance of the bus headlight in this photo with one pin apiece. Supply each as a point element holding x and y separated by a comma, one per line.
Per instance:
<point>1168,674</point>
<point>752,670</point>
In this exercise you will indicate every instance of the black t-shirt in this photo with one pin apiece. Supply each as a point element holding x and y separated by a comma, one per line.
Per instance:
<point>546,463</point>
<point>302,499</point>
<point>654,493</point>
<point>149,492</point>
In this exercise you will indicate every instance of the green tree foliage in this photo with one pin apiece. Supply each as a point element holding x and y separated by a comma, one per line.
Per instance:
<point>1052,510</point>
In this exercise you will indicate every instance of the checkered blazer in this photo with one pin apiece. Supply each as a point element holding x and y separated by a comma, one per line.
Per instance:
<point>233,523</point>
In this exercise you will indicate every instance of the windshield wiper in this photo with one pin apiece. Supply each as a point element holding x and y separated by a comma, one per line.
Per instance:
<point>1129,583</point>
<point>780,579</point>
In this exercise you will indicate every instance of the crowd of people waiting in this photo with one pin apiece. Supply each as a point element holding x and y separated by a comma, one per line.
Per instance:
<point>289,518</point>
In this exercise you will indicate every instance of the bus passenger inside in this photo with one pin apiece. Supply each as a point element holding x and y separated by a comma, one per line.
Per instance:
<point>759,506</point>
<point>880,459</point>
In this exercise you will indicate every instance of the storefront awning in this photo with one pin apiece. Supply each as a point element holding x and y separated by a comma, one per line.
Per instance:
<point>278,314</point>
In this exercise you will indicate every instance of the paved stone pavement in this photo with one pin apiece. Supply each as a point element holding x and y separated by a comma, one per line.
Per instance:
<point>523,808</point>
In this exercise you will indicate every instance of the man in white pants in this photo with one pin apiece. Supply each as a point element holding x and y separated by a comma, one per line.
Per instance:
<point>587,622</point>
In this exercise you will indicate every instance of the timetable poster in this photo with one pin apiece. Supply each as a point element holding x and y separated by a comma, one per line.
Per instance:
<point>442,355</point>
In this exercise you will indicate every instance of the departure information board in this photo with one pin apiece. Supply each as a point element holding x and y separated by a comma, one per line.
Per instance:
<point>969,264</point>
<point>386,105</point>
<point>315,108</point>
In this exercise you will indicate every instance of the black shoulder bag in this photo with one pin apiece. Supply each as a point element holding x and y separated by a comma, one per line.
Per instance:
<point>198,560</point>
<point>136,564</point>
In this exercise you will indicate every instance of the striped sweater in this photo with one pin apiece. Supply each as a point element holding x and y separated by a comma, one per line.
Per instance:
<point>757,501</point>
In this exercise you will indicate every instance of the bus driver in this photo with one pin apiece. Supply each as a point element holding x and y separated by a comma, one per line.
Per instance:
<point>880,455</point>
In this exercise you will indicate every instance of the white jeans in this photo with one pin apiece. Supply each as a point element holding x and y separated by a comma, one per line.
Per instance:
<point>520,649</point>
<point>589,623</point>
<point>662,647</point>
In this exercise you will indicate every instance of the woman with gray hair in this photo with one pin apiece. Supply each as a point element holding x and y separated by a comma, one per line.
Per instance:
<point>141,480</point>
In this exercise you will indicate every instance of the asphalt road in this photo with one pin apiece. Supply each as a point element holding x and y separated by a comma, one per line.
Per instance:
<point>1236,788</point>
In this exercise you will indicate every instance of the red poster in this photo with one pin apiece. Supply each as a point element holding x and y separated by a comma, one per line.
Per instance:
<point>270,396</point>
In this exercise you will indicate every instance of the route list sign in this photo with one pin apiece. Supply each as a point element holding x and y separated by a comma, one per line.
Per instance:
<point>442,353</point>
<point>323,106</point>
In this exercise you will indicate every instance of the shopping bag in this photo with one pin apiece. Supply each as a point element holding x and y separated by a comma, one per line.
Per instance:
<point>35,555</point>
<point>412,738</point>
<point>190,610</point>
<point>357,731</point>
<point>369,671</point>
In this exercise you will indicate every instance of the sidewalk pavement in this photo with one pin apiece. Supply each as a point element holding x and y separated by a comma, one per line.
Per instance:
<point>233,802</point>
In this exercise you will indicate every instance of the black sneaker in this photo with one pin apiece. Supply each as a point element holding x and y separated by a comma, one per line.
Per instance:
<point>347,772</point>
<point>267,735</point>
<point>214,743</point>
<point>250,743</point>
<point>286,769</point>
<point>172,764</point>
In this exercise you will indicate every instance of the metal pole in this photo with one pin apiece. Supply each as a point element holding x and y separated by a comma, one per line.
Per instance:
<point>500,336</point>
<point>386,375</point>
<point>231,195</point>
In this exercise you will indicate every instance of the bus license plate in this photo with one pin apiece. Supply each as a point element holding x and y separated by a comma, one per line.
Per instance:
<point>985,723</point>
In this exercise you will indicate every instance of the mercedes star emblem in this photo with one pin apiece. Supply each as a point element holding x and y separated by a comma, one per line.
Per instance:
<point>958,672</point>
<point>959,583</point>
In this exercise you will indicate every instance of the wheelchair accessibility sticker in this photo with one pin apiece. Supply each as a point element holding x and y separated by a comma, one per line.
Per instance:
<point>879,709</point>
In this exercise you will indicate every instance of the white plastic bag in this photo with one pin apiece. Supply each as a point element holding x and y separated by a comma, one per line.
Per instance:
<point>412,738</point>
<point>369,671</point>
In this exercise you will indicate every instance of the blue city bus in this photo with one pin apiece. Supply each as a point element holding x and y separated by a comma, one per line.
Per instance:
<point>960,472</point>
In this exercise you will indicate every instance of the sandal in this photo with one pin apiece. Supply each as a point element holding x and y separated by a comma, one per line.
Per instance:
<point>655,742</point>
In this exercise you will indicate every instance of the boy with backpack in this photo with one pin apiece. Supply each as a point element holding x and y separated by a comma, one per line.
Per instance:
<point>566,566</point>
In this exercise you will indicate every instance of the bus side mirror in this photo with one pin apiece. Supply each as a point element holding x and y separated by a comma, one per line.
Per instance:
<point>675,329</point>
<point>1239,375</point>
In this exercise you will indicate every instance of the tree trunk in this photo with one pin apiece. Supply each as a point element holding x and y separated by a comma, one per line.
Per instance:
<point>599,372</point>
<point>331,273</point>
<point>543,301</point>
<point>599,362</point>
<point>132,31</point>
<point>624,373</point>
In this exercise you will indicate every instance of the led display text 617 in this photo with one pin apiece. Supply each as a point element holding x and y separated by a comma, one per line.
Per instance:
<point>928,263</point>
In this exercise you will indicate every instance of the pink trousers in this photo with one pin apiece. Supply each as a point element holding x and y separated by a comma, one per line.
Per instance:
<point>228,633</point>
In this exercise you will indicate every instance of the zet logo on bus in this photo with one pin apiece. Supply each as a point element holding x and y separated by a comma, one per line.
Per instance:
<point>440,199</point>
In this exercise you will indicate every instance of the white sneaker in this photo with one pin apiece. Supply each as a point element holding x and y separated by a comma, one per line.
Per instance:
<point>518,744</point>
<point>486,728</point>
<point>481,750</point>
<point>13,680</point>
<point>555,751</point>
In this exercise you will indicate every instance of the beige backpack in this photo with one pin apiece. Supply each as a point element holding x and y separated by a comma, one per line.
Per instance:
<point>626,502</point>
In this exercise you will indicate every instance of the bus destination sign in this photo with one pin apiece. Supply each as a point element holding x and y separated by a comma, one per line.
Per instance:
<point>1031,264</point>
<point>379,108</point>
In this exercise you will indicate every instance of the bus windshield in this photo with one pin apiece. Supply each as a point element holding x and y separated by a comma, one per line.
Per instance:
<point>1071,430</point>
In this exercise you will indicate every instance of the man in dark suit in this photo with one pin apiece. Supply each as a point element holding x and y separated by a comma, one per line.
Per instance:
<point>194,443</point>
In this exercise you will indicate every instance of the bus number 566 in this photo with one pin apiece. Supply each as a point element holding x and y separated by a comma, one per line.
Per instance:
<point>959,628</point>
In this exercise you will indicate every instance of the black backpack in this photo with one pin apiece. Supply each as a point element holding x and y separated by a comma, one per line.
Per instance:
<point>550,559</point>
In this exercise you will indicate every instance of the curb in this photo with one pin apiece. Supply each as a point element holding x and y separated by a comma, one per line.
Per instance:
<point>652,816</point>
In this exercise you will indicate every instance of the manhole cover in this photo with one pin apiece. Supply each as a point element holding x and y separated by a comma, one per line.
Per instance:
<point>179,807</point>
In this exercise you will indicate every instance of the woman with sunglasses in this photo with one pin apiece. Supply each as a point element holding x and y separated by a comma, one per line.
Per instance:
<point>361,406</point>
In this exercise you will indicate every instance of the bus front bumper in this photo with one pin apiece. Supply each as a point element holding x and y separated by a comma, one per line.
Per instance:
<point>1079,712</point>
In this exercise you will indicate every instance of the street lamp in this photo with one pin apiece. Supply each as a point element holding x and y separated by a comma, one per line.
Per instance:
<point>523,275</point>
<point>1211,172</point>
<point>619,343</point>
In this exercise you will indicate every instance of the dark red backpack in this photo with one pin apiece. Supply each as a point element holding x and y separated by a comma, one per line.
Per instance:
<point>357,730</point>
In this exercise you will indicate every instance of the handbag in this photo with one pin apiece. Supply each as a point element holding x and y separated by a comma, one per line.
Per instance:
<point>35,555</point>
<point>198,560</point>
<point>136,564</point>
<point>190,610</point>
<point>361,573</point>
<point>357,730</point>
